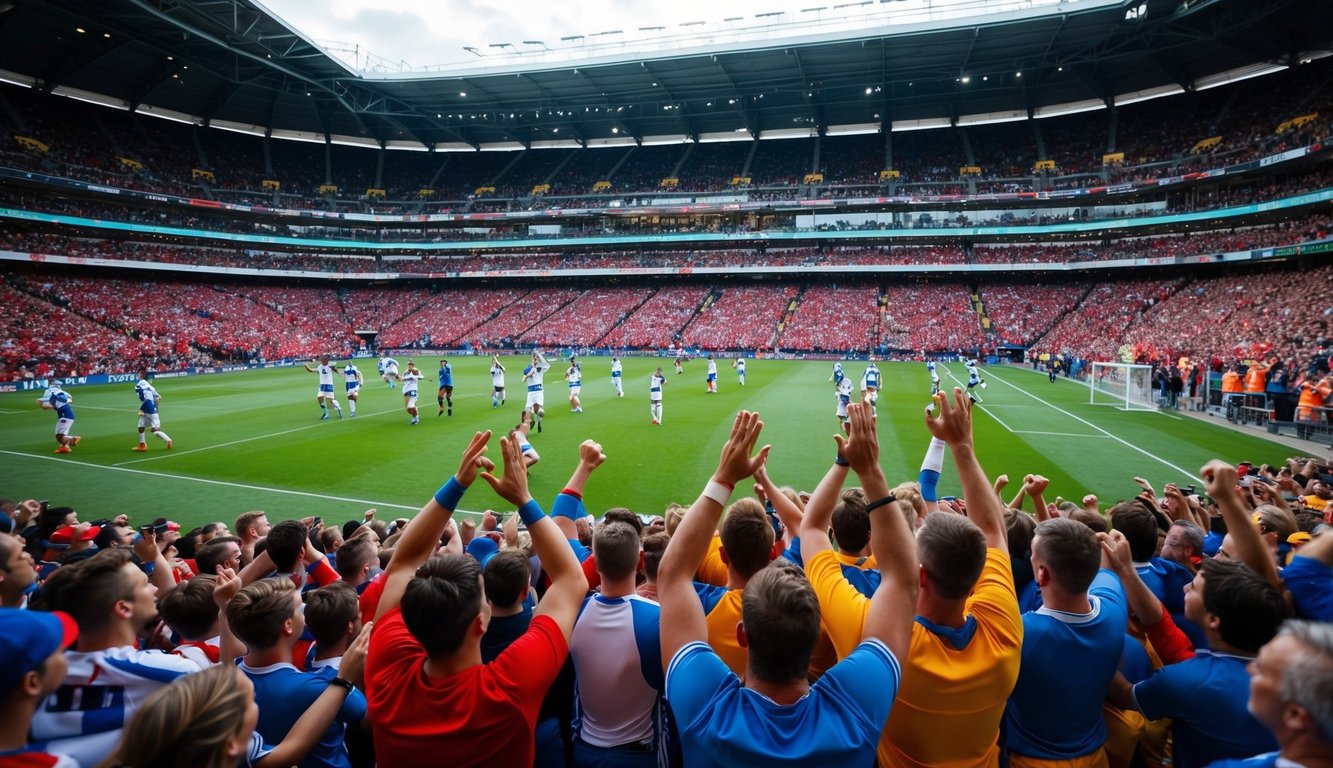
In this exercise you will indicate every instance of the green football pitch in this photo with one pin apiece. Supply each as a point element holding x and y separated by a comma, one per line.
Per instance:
<point>253,440</point>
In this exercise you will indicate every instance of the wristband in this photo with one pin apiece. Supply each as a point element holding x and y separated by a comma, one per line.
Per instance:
<point>724,484</point>
<point>450,494</point>
<point>342,683</point>
<point>531,512</point>
<point>840,461</point>
<point>574,493</point>
<point>716,491</point>
<point>877,503</point>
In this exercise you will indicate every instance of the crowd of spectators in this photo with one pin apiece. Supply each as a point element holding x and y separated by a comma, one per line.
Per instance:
<point>930,316</point>
<point>834,318</point>
<point>657,322</point>
<point>740,318</point>
<point>834,625</point>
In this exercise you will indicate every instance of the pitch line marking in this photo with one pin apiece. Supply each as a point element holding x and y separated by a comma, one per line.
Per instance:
<point>1084,421</point>
<point>207,481</point>
<point>979,405</point>
<point>1057,434</point>
<point>242,440</point>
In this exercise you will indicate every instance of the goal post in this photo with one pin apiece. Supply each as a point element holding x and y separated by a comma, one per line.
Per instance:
<point>1123,385</point>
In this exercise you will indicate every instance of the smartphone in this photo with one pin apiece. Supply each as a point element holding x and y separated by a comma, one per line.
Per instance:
<point>1186,490</point>
<point>318,521</point>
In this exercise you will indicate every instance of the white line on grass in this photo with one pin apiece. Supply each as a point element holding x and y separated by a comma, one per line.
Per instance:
<point>245,486</point>
<point>1081,420</point>
<point>979,405</point>
<point>170,454</point>
<point>1057,434</point>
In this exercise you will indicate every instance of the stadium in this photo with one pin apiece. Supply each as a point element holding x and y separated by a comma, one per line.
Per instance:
<point>1105,222</point>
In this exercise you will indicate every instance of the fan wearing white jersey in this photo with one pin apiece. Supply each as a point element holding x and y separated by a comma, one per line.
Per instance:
<point>325,396</point>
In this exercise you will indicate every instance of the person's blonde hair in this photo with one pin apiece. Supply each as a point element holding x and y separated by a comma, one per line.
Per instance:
<point>910,503</point>
<point>674,514</point>
<point>186,724</point>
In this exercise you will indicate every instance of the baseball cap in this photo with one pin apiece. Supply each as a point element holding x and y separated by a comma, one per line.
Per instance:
<point>28,638</point>
<point>1299,537</point>
<point>69,533</point>
<point>482,548</point>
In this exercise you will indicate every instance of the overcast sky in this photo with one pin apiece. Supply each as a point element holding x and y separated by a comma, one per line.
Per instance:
<point>429,32</point>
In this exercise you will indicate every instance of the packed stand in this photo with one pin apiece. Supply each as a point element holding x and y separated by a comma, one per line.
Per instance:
<point>741,318</point>
<point>832,318</point>
<point>929,317</point>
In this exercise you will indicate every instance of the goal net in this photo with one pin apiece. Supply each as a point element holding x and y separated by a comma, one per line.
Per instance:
<point>1123,385</point>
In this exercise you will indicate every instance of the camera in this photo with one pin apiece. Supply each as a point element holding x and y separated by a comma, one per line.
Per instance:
<point>1187,490</point>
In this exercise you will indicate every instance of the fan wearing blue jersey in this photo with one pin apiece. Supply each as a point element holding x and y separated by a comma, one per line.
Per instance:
<point>616,375</point>
<point>325,396</point>
<point>108,678</point>
<point>352,381</point>
<point>617,656</point>
<point>776,717</point>
<point>712,374</point>
<point>58,400</point>
<point>445,397</point>
<point>534,375</point>
<point>32,666</point>
<point>574,377</point>
<point>149,418</point>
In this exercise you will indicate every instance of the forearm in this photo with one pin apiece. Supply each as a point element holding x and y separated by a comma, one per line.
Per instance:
<point>1250,547</point>
<point>983,506</point>
<point>162,578</point>
<point>688,546</point>
<point>786,510</point>
<point>422,537</point>
<point>1017,501</point>
<point>306,732</point>
<point>552,548</point>
<point>259,567</point>
<point>1142,602</point>
<point>819,509</point>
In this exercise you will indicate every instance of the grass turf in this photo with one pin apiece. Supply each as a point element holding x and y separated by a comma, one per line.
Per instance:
<point>253,440</point>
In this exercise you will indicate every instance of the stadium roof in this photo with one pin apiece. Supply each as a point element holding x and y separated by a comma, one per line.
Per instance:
<point>231,64</point>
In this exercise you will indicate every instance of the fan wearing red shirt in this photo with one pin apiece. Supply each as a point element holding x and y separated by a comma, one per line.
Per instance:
<point>429,693</point>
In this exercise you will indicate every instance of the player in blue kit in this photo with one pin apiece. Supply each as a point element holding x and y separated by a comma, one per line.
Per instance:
<point>149,418</point>
<point>870,386</point>
<point>352,381</point>
<point>445,397</point>
<point>58,400</point>
<point>325,396</point>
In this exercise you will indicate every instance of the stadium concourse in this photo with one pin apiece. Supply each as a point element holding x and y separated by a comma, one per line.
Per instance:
<point>1132,193</point>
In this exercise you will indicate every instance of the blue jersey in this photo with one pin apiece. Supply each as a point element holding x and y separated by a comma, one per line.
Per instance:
<point>837,373</point>
<point>1207,699</point>
<point>284,694</point>
<point>147,397</point>
<point>59,399</point>
<point>838,723</point>
<point>871,378</point>
<point>1167,581</point>
<point>446,377</point>
<point>1055,711</point>
<point>1308,580</point>
<point>350,374</point>
<point>617,658</point>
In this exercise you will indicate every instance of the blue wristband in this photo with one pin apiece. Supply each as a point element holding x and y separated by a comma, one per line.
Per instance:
<point>531,512</point>
<point>450,494</point>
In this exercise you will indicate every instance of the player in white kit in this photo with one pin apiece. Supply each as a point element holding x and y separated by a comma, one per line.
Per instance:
<point>973,379</point>
<point>534,375</point>
<point>411,382</point>
<point>870,386</point>
<point>325,396</point>
<point>352,381</point>
<point>616,373</point>
<point>388,368</point>
<point>739,365</point>
<point>844,399</point>
<point>655,395</point>
<point>575,378</point>
<point>497,382</point>
<point>712,374</point>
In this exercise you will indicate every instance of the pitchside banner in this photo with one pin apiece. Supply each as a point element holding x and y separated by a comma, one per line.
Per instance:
<point>129,378</point>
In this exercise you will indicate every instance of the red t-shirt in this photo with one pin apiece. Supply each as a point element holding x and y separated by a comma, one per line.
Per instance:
<point>471,717</point>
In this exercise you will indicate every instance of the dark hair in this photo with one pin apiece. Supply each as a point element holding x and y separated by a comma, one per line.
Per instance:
<point>442,601</point>
<point>615,545</point>
<point>330,610</point>
<point>258,611</point>
<point>1095,521</point>
<point>188,545</point>
<point>1070,552</point>
<point>1139,527</point>
<point>654,546</point>
<point>781,616</point>
<point>506,574</point>
<point>1020,528</point>
<point>747,537</point>
<point>953,552</point>
<point>353,555</point>
<point>623,515</point>
<point>88,589</point>
<point>851,522</point>
<point>213,553</point>
<point>1248,608</point>
<point>189,608</point>
<point>286,543</point>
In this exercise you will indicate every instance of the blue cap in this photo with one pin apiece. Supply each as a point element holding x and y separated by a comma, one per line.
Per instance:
<point>483,548</point>
<point>28,638</point>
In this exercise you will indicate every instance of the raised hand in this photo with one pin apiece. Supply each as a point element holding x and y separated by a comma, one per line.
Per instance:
<point>474,457</point>
<point>146,547</point>
<point>353,665</point>
<point>736,462</point>
<point>1219,478</point>
<point>590,454</point>
<point>1035,485</point>
<point>512,486</point>
<point>226,587</point>
<point>1116,555</point>
<point>861,446</point>
<point>951,423</point>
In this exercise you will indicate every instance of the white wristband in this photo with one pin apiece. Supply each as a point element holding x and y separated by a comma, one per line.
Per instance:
<point>717,492</point>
